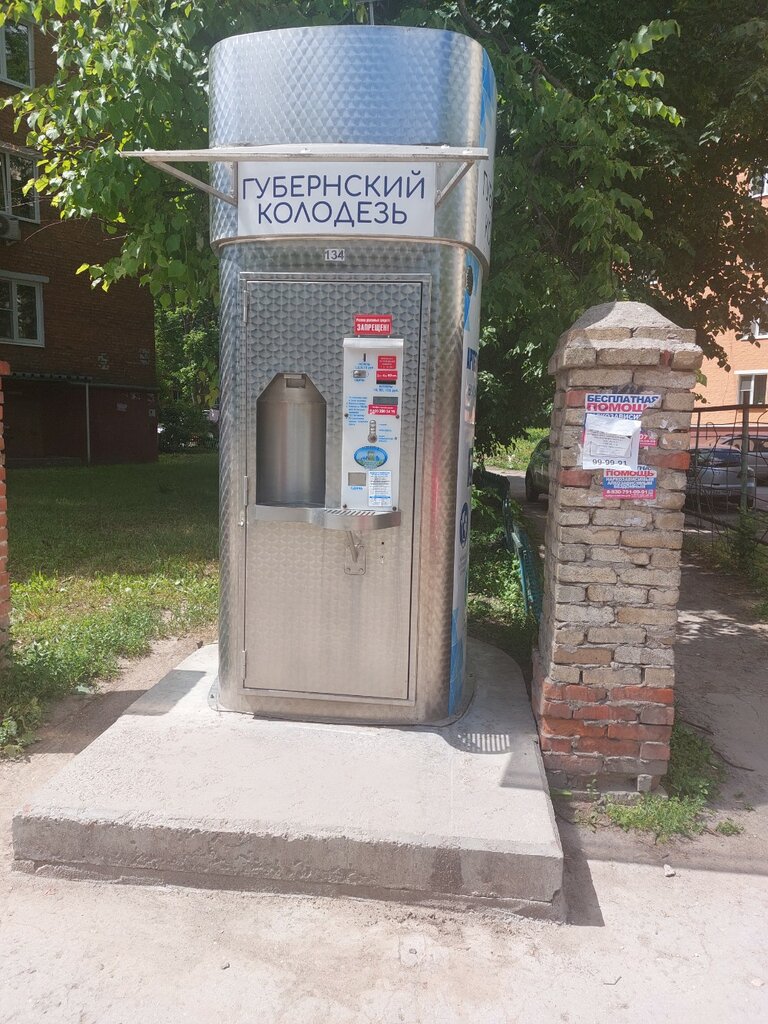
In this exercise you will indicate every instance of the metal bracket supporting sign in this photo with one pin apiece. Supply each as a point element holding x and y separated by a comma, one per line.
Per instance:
<point>164,159</point>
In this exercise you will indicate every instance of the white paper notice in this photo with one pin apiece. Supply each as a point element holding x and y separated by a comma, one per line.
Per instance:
<point>610,443</point>
<point>380,488</point>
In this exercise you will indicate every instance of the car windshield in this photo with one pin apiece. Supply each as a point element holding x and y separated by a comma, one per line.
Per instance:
<point>715,457</point>
<point>755,443</point>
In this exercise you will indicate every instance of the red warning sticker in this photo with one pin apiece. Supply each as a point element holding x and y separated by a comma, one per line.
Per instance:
<point>376,325</point>
<point>386,376</point>
<point>387,363</point>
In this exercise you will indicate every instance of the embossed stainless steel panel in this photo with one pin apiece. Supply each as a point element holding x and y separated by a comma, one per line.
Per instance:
<point>310,626</point>
<point>350,84</point>
<point>356,85</point>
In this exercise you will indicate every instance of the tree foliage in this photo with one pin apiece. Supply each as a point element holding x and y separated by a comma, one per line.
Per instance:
<point>627,135</point>
<point>187,346</point>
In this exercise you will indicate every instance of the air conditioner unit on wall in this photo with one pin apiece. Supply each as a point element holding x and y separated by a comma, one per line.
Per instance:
<point>10,229</point>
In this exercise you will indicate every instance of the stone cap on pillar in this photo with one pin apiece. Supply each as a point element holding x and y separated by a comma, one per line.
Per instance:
<point>629,333</point>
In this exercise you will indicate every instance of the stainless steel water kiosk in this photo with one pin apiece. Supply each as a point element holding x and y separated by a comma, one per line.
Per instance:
<point>351,183</point>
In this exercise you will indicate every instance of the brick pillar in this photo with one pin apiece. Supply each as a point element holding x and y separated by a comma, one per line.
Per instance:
<point>5,589</point>
<point>603,684</point>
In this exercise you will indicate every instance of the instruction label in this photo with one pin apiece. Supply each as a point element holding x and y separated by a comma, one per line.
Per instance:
<point>371,425</point>
<point>380,488</point>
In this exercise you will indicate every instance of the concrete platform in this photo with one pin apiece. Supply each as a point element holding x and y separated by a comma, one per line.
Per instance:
<point>176,792</point>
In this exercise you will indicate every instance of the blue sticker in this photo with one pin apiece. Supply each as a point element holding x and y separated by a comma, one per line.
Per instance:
<point>370,457</point>
<point>464,525</point>
<point>473,265</point>
<point>457,664</point>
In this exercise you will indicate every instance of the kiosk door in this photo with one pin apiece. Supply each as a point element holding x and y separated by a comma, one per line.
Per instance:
<point>328,600</point>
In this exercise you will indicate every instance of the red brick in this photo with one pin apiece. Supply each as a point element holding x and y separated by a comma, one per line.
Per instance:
<point>611,748</point>
<point>639,731</point>
<point>562,727</point>
<point>556,709</point>
<point>606,712</point>
<point>552,691</point>
<point>673,460</point>
<point>575,477</point>
<point>657,715</point>
<point>575,397</point>
<point>593,712</point>
<point>590,693</point>
<point>573,764</point>
<point>654,751</point>
<point>556,743</point>
<point>652,694</point>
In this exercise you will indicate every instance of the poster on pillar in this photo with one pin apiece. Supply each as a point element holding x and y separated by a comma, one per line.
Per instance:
<point>613,435</point>
<point>610,443</point>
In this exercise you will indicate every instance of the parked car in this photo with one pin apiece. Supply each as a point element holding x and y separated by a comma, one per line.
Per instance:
<point>757,453</point>
<point>715,476</point>
<point>537,474</point>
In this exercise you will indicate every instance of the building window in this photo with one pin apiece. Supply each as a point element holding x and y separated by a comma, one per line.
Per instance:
<point>758,329</point>
<point>16,169</point>
<point>21,311</point>
<point>752,386</point>
<point>17,64</point>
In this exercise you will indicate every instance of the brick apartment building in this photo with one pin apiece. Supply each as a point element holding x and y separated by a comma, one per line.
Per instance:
<point>747,355</point>
<point>82,386</point>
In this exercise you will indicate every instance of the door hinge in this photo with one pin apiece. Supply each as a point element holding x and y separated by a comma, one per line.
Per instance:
<point>245,307</point>
<point>245,492</point>
<point>245,666</point>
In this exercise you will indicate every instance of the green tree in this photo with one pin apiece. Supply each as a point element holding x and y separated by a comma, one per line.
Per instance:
<point>626,137</point>
<point>187,342</point>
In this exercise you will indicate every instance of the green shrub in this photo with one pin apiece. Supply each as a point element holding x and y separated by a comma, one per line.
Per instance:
<point>185,426</point>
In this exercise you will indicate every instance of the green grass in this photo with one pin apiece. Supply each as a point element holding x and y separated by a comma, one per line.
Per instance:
<point>104,560</point>
<point>517,455</point>
<point>693,780</point>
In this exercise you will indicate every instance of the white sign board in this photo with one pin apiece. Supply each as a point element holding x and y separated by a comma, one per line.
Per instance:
<point>336,198</point>
<point>370,457</point>
<point>610,443</point>
<point>600,453</point>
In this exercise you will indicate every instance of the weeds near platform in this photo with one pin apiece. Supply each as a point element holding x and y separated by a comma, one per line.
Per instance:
<point>692,782</point>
